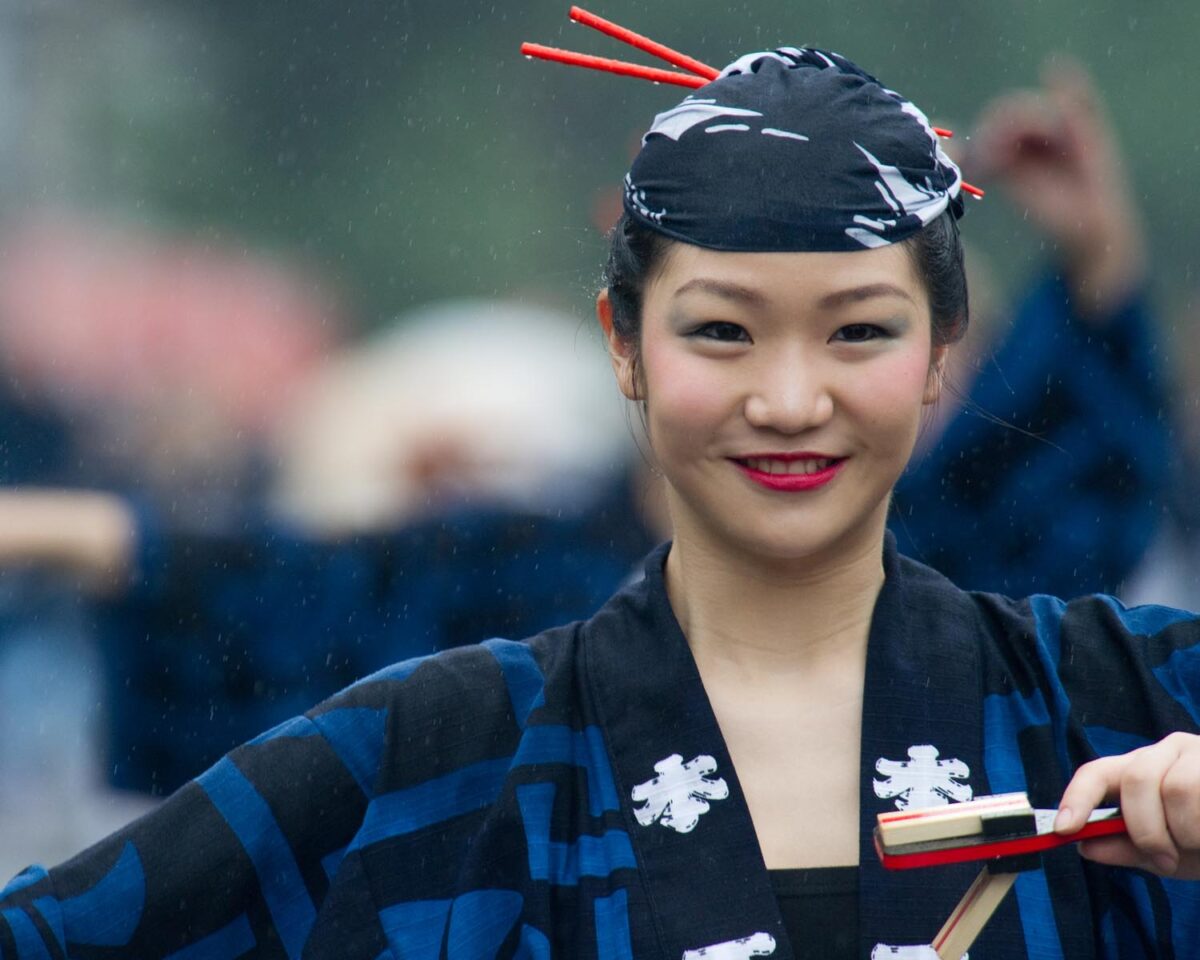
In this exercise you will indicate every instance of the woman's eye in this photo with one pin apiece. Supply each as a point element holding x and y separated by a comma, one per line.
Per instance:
<point>859,332</point>
<point>721,330</point>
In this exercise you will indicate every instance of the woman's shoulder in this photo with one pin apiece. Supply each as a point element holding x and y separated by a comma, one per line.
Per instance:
<point>1128,675</point>
<point>1113,653</point>
<point>1094,620</point>
<point>1095,616</point>
<point>468,674</point>
<point>1059,632</point>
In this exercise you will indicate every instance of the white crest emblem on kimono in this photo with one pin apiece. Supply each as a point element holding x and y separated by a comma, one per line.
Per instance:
<point>679,795</point>
<point>922,780</point>
<point>756,945</point>
<point>883,951</point>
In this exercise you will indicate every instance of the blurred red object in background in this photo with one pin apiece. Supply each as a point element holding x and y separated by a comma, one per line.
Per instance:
<point>92,313</point>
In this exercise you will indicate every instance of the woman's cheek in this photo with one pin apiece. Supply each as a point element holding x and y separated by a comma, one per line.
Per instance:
<point>683,389</point>
<point>895,388</point>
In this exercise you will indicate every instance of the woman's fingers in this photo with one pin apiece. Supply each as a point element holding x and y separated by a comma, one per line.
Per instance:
<point>1142,804</point>
<point>1181,792</point>
<point>1092,784</point>
<point>1121,852</point>
<point>1114,852</point>
<point>1158,788</point>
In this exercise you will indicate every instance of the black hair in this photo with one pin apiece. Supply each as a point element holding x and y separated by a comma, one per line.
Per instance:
<point>937,256</point>
<point>636,253</point>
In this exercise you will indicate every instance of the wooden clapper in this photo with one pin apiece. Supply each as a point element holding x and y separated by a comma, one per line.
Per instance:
<point>1003,831</point>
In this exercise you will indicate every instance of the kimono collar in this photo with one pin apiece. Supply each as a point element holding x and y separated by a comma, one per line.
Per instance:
<point>684,806</point>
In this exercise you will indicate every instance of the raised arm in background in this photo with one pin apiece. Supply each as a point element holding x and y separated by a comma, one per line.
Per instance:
<point>1048,479</point>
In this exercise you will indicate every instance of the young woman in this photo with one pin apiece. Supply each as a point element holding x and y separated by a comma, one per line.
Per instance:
<point>695,771</point>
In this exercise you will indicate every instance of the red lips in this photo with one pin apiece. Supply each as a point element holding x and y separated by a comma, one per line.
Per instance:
<point>790,482</point>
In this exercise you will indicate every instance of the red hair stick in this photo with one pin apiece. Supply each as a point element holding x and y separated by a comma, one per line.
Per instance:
<point>611,66</point>
<point>700,73</point>
<point>673,57</point>
<point>966,187</point>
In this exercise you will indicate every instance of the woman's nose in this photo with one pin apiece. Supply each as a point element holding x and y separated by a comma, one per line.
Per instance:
<point>789,397</point>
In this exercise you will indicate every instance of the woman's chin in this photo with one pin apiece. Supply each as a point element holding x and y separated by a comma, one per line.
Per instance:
<point>780,546</point>
<point>803,541</point>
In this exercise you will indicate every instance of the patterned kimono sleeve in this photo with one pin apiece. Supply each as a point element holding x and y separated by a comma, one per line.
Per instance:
<point>237,862</point>
<point>1132,677</point>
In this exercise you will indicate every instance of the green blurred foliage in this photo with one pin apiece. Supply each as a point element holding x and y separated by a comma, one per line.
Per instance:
<point>407,152</point>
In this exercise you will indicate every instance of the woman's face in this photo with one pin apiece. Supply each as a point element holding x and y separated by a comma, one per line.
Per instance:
<point>784,393</point>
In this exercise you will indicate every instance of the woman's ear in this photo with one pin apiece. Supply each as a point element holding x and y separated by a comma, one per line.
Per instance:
<point>621,352</point>
<point>937,374</point>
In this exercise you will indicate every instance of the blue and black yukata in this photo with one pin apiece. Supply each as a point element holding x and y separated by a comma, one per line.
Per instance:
<point>571,796</point>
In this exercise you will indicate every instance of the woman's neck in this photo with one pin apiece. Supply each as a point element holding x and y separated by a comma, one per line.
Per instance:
<point>753,617</point>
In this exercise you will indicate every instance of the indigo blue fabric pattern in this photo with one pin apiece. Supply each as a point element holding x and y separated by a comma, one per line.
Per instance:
<point>1068,501</point>
<point>571,796</point>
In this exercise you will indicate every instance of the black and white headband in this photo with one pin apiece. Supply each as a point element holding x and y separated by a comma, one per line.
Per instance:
<point>795,149</point>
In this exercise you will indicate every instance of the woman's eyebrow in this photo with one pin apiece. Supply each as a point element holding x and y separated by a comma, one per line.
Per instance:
<point>724,288</point>
<point>841,298</point>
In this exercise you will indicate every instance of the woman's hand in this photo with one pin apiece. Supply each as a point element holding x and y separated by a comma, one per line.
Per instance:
<point>1158,788</point>
<point>1055,152</point>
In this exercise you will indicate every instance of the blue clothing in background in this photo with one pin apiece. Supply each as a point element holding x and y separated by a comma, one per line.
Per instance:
<point>1053,477</point>
<point>36,446</point>
<point>223,637</point>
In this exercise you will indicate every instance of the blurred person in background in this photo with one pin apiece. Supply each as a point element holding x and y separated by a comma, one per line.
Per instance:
<point>1051,475</point>
<point>48,660</point>
<point>419,420</point>
<point>148,365</point>
<point>410,508</point>
<point>1170,571</point>
<point>168,357</point>
<point>463,474</point>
